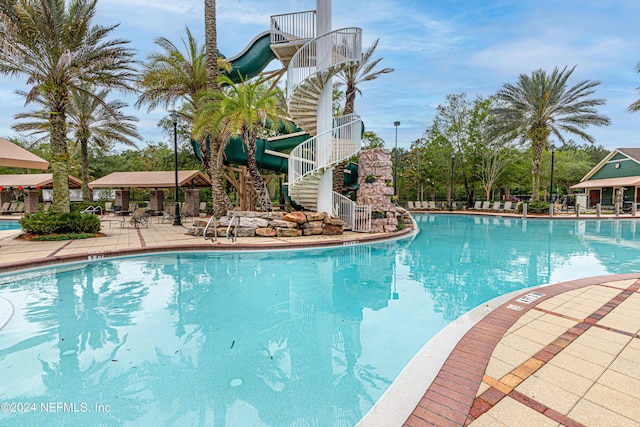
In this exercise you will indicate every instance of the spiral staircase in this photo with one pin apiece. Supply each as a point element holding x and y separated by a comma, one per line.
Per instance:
<point>311,63</point>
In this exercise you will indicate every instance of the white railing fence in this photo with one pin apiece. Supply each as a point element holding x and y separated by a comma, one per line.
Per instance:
<point>343,141</point>
<point>356,217</point>
<point>291,27</point>
<point>345,47</point>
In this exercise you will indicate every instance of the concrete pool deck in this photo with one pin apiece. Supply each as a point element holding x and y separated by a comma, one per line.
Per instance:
<point>561,354</point>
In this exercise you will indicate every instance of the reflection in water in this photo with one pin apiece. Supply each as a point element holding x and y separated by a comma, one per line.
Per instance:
<point>276,339</point>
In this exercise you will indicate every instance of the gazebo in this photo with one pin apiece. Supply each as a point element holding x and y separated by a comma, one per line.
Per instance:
<point>190,180</point>
<point>31,184</point>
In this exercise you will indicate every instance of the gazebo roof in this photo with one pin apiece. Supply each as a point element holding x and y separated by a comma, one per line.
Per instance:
<point>156,179</point>
<point>33,180</point>
<point>12,155</point>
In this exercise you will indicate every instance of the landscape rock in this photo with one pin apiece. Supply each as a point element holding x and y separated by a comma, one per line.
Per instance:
<point>288,232</point>
<point>266,232</point>
<point>297,217</point>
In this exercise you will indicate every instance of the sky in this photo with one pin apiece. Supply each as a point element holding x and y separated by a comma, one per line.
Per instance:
<point>436,47</point>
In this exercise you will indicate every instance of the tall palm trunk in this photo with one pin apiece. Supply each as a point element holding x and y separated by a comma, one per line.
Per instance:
<point>59,158</point>
<point>220,199</point>
<point>84,173</point>
<point>260,187</point>
<point>538,136</point>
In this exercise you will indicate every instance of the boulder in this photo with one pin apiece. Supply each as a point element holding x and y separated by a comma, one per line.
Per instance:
<point>334,221</point>
<point>312,224</point>
<point>280,223</point>
<point>288,232</point>
<point>297,217</point>
<point>332,230</point>
<point>255,222</point>
<point>314,231</point>
<point>266,232</point>
<point>244,232</point>
<point>316,216</point>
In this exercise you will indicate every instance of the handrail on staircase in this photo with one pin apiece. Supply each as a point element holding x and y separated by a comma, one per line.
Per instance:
<point>345,141</point>
<point>345,46</point>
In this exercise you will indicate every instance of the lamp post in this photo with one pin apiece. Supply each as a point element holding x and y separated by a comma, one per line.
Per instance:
<point>453,159</point>
<point>174,119</point>
<point>395,163</point>
<point>553,152</point>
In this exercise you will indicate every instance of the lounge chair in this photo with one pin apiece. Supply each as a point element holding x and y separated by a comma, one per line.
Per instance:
<point>16,207</point>
<point>506,207</point>
<point>168,214</point>
<point>477,205</point>
<point>202,210</point>
<point>5,208</point>
<point>186,211</point>
<point>138,218</point>
<point>430,205</point>
<point>496,206</point>
<point>410,205</point>
<point>486,205</point>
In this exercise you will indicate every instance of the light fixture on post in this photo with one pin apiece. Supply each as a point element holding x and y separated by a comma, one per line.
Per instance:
<point>395,163</point>
<point>453,159</point>
<point>174,119</point>
<point>552,148</point>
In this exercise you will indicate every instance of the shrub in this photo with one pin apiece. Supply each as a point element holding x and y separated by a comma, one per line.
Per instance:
<point>539,207</point>
<point>42,223</point>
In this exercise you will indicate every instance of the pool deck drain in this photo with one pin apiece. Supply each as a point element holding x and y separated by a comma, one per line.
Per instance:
<point>563,354</point>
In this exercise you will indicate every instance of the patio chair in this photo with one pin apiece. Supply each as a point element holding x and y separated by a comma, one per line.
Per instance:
<point>139,217</point>
<point>486,205</point>
<point>168,214</point>
<point>202,210</point>
<point>17,208</point>
<point>477,205</point>
<point>5,208</point>
<point>186,211</point>
<point>496,206</point>
<point>410,205</point>
<point>108,208</point>
<point>506,207</point>
<point>431,205</point>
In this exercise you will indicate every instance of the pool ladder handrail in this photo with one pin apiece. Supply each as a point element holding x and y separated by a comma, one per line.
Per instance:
<point>235,229</point>
<point>214,239</point>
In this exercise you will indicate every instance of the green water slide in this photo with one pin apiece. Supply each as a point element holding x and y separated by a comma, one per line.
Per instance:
<point>270,153</point>
<point>253,59</point>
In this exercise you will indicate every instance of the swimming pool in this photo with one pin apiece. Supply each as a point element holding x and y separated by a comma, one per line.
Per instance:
<point>9,225</point>
<point>268,338</point>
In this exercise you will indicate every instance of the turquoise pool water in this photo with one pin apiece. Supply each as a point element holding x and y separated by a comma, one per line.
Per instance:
<point>9,225</point>
<point>274,338</point>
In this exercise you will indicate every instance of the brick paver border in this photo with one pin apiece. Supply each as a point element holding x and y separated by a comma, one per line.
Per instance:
<point>451,399</point>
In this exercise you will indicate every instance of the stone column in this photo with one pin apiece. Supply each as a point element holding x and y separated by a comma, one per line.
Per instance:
<point>5,196</point>
<point>192,197</point>
<point>122,199</point>
<point>31,201</point>
<point>156,200</point>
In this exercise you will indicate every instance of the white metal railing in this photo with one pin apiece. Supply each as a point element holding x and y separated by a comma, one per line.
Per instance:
<point>341,142</point>
<point>292,27</point>
<point>357,217</point>
<point>345,46</point>
<point>344,208</point>
<point>362,218</point>
<point>214,239</point>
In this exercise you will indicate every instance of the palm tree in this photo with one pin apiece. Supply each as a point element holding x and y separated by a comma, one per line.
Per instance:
<point>636,105</point>
<point>243,110</point>
<point>90,118</point>
<point>352,76</point>
<point>170,76</point>
<point>54,45</point>
<point>541,105</point>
